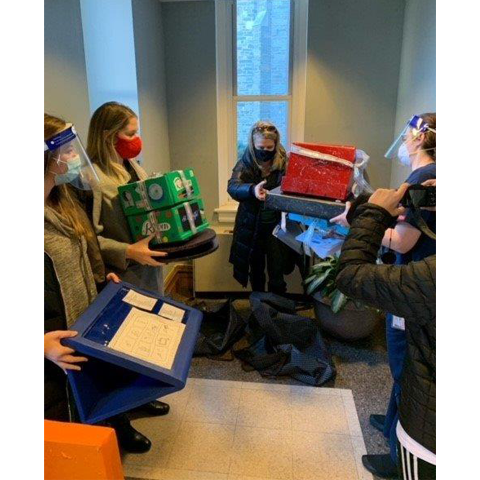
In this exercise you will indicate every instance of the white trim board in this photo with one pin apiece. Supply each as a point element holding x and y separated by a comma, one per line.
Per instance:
<point>224,63</point>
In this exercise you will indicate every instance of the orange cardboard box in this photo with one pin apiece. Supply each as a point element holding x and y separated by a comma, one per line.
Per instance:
<point>80,452</point>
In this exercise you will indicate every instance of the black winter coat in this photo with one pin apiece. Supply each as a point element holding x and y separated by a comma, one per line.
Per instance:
<point>407,291</point>
<point>241,186</point>
<point>55,380</point>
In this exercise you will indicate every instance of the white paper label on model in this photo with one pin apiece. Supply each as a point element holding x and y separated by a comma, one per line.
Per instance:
<point>138,300</point>
<point>171,312</point>
<point>148,337</point>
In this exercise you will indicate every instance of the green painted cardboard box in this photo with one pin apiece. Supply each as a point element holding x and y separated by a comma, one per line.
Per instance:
<point>162,192</point>
<point>175,224</point>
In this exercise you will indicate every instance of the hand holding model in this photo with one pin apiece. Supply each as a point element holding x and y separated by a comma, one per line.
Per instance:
<point>141,253</point>
<point>57,353</point>
<point>342,218</point>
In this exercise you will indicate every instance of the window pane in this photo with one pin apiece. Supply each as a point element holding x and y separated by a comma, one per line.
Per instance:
<point>250,112</point>
<point>263,43</point>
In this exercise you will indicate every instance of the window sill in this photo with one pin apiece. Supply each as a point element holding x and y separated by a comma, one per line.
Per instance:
<point>226,213</point>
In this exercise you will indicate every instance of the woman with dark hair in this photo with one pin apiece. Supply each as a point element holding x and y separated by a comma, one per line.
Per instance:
<point>260,169</point>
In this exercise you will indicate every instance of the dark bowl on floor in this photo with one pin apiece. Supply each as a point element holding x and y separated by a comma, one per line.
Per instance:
<point>349,324</point>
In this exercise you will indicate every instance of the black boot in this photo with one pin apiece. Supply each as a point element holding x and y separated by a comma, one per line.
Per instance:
<point>129,439</point>
<point>378,422</point>
<point>380,465</point>
<point>155,408</point>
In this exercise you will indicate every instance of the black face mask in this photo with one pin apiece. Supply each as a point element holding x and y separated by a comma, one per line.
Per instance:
<point>264,155</point>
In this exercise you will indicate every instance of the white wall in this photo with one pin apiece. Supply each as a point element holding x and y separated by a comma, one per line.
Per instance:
<point>354,51</point>
<point>150,61</point>
<point>189,32</point>
<point>65,90</point>
<point>109,52</point>
<point>417,82</point>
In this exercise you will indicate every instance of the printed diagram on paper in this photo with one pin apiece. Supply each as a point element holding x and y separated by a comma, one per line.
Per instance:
<point>149,337</point>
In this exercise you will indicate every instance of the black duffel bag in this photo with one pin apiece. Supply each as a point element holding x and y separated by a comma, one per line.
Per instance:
<point>284,343</point>
<point>221,327</point>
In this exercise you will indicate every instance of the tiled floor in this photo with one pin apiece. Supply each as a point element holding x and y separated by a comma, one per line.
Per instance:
<point>226,430</point>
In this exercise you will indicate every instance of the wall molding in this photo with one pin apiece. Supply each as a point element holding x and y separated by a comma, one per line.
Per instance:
<point>224,64</point>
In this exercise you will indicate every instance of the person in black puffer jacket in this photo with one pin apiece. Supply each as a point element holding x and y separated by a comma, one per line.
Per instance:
<point>407,291</point>
<point>261,168</point>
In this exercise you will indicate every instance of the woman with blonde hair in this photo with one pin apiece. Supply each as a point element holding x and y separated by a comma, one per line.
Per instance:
<point>260,169</point>
<point>113,144</point>
<point>73,270</point>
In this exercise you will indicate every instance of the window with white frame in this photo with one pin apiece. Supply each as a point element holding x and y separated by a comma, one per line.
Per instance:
<point>261,74</point>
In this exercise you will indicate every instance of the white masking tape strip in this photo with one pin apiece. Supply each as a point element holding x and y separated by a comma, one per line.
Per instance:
<point>320,156</point>
<point>144,194</point>
<point>186,183</point>
<point>191,220</point>
<point>283,223</point>
<point>153,221</point>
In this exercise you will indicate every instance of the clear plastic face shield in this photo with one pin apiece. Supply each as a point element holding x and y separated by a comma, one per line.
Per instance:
<point>398,150</point>
<point>69,161</point>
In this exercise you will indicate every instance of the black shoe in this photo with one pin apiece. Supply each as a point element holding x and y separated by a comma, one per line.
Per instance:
<point>129,439</point>
<point>380,465</point>
<point>378,421</point>
<point>155,408</point>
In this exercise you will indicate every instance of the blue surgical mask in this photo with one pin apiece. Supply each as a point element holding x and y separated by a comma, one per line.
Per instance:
<point>74,167</point>
<point>403,155</point>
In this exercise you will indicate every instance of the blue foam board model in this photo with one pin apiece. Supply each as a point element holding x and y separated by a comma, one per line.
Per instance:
<point>112,382</point>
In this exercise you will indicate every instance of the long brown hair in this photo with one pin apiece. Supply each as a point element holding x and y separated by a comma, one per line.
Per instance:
<point>268,131</point>
<point>61,198</point>
<point>430,142</point>
<point>106,122</point>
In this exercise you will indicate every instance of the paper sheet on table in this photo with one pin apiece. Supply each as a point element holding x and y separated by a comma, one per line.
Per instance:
<point>138,300</point>
<point>323,247</point>
<point>172,313</point>
<point>148,337</point>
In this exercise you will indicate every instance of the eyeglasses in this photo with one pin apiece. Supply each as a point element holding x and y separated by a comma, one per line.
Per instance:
<point>268,128</point>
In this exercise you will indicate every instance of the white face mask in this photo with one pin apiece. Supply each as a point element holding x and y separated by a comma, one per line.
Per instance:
<point>403,155</point>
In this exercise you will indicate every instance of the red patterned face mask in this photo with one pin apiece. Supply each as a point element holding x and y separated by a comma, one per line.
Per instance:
<point>129,148</point>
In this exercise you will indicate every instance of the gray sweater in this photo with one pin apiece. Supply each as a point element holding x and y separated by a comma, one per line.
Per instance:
<point>113,235</point>
<point>69,255</point>
<point>110,223</point>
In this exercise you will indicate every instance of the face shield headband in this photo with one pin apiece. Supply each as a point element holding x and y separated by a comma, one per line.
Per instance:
<point>72,163</point>
<point>418,126</point>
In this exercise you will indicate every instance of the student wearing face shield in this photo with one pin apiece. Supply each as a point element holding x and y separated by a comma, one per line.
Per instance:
<point>415,147</point>
<point>260,169</point>
<point>74,270</point>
